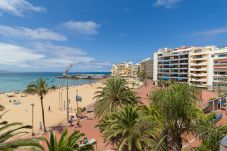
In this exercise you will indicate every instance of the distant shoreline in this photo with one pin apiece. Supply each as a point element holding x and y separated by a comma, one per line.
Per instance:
<point>17,81</point>
<point>85,76</point>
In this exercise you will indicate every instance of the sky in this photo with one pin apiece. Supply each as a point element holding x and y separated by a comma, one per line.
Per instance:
<point>47,35</point>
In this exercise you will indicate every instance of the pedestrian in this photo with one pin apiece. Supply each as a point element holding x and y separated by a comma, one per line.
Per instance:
<point>78,123</point>
<point>40,126</point>
<point>49,109</point>
<point>71,121</point>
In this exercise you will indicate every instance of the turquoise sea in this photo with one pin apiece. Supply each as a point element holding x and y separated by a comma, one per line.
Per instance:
<point>10,82</point>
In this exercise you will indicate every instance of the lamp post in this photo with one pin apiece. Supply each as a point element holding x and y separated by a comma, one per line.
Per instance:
<point>67,102</point>
<point>67,90</point>
<point>33,134</point>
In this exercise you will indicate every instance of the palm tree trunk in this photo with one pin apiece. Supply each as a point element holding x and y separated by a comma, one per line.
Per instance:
<point>43,116</point>
<point>177,144</point>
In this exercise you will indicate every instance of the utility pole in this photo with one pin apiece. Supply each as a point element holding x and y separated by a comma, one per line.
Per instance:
<point>33,134</point>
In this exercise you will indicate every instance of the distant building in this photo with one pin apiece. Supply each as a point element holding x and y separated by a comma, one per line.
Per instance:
<point>136,70</point>
<point>122,69</point>
<point>147,67</point>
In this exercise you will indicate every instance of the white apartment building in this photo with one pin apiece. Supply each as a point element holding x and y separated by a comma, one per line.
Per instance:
<point>220,69</point>
<point>201,66</point>
<point>171,64</point>
<point>204,67</point>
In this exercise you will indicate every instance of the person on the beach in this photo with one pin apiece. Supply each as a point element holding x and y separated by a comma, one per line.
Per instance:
<point>40,126</point>
<point>78,124</point>
<point>49,109</point>
<point>71,121</point>
<point>85,140</point>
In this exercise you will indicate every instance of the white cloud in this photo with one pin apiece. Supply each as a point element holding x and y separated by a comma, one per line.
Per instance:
<point>34,34</point>
<point>166,3</point>
<point>83,27</point>
<point>60,56</point>
<point>17,55</point>
<point>45,56</point>
<point>19,7</point>
<point>212,32</point>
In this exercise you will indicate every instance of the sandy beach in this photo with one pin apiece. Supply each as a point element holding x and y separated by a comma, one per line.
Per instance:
<point>23,112</point>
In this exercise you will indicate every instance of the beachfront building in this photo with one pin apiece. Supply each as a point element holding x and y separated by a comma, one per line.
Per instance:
<point>220,69</point>
<point>147,67</point>
<point>136,70</point>
<point>201,67</point>
<point>171,64</point>
<point>204,67</point>
<point>122,69</point>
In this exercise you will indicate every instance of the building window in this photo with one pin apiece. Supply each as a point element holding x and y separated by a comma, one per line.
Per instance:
<point>197,50</point>
<point>222,55</point>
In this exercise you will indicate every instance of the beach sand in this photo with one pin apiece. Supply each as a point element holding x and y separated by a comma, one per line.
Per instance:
<point>23,112</point>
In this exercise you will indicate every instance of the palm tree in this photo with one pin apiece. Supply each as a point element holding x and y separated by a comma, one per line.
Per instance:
<point>143,75</point>
<point>177,106</point>
<point>209,133</point>
<point>114,95</point>
<point>66,143</point>
<point>128,130</point>
<point>8,131</point>
<point>40,87</point>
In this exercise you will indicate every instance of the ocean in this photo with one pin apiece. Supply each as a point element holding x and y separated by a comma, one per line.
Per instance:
<point>10,82</point>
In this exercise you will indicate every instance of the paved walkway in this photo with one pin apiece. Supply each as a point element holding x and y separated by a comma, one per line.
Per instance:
<point>88,126</point>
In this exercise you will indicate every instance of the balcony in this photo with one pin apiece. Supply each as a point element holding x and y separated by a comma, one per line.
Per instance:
<point>202,53</point>
<point>198,80</point>
<point>200,69</point>
<point>198,74</point>
<point>199,58</point>
<point>221,63</point>
<point>173,54</point>
<point>198,64</point>
<point>175,59</point>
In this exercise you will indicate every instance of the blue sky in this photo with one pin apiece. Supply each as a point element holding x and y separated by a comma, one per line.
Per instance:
<point>46,35</point>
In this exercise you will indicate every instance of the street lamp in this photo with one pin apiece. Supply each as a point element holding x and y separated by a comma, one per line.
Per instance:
<point>67,90</point>
<point>33,134</point>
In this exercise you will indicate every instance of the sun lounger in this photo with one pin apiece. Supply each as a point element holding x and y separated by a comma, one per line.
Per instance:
<point>90,142</point>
